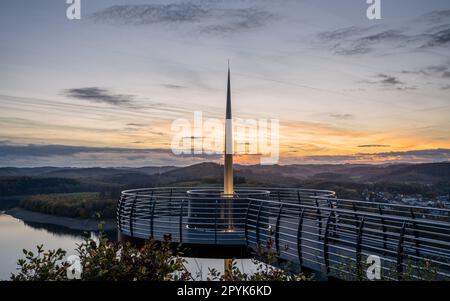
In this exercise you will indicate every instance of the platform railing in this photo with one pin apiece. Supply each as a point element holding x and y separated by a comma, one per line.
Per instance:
<point>307,228</point>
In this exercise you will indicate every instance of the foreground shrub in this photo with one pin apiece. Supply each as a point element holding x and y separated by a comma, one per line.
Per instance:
<point>105,260</point>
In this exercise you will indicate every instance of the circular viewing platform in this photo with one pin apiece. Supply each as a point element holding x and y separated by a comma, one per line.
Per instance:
<point>202,215</point>
<point>306,227</point>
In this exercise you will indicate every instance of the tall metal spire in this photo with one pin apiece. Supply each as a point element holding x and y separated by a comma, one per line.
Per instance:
<point>228,188</point>
<point>228,115</point>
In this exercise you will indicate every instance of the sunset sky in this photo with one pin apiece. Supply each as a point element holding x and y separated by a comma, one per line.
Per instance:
<point>104,90</point>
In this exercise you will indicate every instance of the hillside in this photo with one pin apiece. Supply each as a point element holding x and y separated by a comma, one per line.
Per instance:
<point>348,178</point>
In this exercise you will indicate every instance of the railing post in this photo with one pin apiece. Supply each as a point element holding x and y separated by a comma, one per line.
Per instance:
<point>170,201</point>
<point>400,248</point>
<point>246,222</point>
<point>330,205</point>
<point>359,235</point>
<point>257,222</point>
<point>416,233</point>
<point>215,222</point>
<point>318,217</point>
<point>152,215</point>
<point>299,199</point>
<point>133,205</point>
<point>277,230</point>
<point>383,227</point>
<point>326,257</point>
<point>355,216</point>
<point>181,221</point>
<point>299,236</point>
<point>119,213</point>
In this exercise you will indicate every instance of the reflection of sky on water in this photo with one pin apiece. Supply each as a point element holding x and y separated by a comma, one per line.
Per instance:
<point>16,235</point>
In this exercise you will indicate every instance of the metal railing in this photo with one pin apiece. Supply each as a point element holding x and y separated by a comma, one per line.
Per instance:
<point>307,228</point>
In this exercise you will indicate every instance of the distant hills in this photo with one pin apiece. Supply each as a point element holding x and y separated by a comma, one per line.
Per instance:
<point>349,179</point>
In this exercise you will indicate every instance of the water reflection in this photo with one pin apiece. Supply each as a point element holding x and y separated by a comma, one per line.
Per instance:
<point>16,235</point>
<point>60,231</point>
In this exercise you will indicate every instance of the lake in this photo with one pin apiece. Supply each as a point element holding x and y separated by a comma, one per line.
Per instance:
<point>16,235</point>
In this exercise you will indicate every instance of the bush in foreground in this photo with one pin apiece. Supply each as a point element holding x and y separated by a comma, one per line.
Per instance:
<point>114,261</point>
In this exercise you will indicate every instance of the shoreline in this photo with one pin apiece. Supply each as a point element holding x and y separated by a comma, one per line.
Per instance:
<point>67,222</point>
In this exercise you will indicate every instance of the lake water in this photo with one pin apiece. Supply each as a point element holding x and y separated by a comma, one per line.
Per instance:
<point>16,235</point>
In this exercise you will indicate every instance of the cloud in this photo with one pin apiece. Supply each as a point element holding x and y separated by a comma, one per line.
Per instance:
<point>133,124</point>
<point>447,87</point>
<point>145,14</point>
<point>364,40</point>
<point>441,71</point>
<point>342,116</point>
<point>386,80</point>
<point>207,16</point>
<point>436,16</point>
<point>413,156</point>
<point>373,145</point>
<point>343,33</point>
<point>33,155</point>
<point>233,20</point>
<point>99,95</point>
<point>173,87</point>
<point>438,37</point>
<point>389,80</point>
<point>358,41</point>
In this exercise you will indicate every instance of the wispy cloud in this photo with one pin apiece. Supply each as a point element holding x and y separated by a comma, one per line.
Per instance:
<point>173,86</point>
<point>389,81</point>
<point>413,156</point>
<point>364,40</point>
<point>99,95</point>
<point>342,116</point>
<point>207,16</point>
<point>358,41</point>
<point>436,16</point>
<point>33,155</point>
<point>373,145</point>
<point>440,71</point>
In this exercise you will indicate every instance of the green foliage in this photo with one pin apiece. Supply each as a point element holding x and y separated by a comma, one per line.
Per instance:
<point>80,205</point>
<point>107,261</point>
<point>110,261</point>
<point>114,261</point>
<point>42,266</point>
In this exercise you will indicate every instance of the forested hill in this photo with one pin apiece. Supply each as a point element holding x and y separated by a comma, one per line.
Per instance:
<point>410,178</point>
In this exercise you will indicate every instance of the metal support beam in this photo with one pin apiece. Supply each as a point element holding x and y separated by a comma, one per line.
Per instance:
<point>119,213</point>
<point>257,222</point>
<point>383,228</point>
<point>277,229</point>
<point>180,229</point>
<point>133,205</point>
<point>358,250</point>
<point>400,248</point>
<point>299,236</point>
<point>152,216</point>
<point>246,222</point>
<point>326,256</point>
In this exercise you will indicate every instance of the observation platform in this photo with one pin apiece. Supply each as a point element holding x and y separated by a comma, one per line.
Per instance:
<point>309,229</point>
